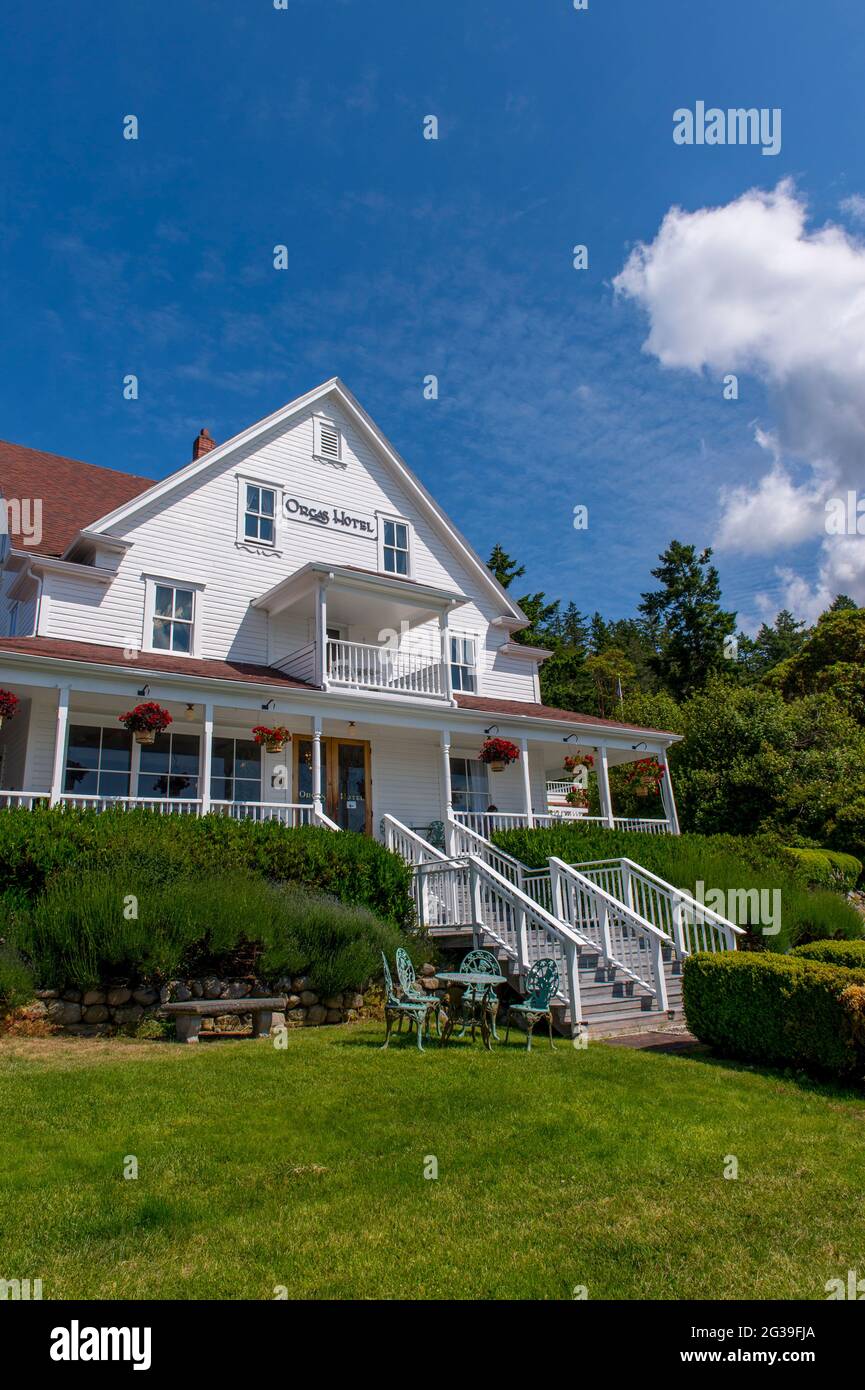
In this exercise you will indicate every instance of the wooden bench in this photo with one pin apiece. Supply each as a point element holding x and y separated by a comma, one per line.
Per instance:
<point>188,1016</point>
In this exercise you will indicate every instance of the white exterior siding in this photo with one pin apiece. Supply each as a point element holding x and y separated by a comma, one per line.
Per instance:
<point>191,536</point>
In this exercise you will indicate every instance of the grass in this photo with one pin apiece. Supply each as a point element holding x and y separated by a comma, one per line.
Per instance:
<point>303,1168</point>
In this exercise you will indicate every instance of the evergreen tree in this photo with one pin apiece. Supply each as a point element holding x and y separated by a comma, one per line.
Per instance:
<point>504,568</point>
<point>688,609</point>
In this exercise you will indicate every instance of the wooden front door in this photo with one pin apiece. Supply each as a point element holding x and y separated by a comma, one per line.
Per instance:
<point>345,780</point>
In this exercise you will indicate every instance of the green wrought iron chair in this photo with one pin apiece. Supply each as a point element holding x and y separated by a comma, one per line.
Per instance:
<point>475,997</point>
<point>541,984</point>
<point>411,992</point>
<point>416,1011</point>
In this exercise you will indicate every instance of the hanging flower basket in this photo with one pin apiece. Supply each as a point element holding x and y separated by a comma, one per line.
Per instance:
<point>573,761</point>
<point>8,705</point>
<point>644,776</point>
<point>498,753</point>
<point>146,721</point>
<point>274,740</point>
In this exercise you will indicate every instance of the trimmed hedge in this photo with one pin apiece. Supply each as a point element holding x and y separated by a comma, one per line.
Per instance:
<point>784,1010</point>
<point>849,954</point>
<point>827,868</point>
<point>34,845</point>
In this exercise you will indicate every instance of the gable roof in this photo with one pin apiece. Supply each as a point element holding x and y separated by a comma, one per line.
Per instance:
<point>349,402</point>
<point>73,493</point>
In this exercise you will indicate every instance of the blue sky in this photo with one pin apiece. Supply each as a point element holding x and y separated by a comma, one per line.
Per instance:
<point>406,256</point>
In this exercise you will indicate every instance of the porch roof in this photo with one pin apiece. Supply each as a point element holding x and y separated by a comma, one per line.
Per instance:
<point>94,653</point>
<point>530,709</point>
<point>364,582</point>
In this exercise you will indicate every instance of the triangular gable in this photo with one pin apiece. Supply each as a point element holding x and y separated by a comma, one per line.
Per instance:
<point>337,389</point>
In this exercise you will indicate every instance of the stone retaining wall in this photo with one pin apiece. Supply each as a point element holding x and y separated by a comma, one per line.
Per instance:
<point>127,1005</point>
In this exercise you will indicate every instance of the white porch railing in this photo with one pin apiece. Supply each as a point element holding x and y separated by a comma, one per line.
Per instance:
<point>370,667</point>
<point>485,822</point>
<point>289,814</point>
<point>413,848</point>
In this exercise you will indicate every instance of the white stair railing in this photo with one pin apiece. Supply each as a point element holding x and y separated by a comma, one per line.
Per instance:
<point>689,923</point>
<point>500,912</point>
<point>622,938</point>
<point>534,882</point>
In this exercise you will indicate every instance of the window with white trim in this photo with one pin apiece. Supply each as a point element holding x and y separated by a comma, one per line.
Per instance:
<point>464,662</point>
<point>173,620</point>
<point>327,442</point>
<point>395,546</point>
<point>98,761</point>
<point>259,514</point>
<point>469,784</point>
<point>235,770</point>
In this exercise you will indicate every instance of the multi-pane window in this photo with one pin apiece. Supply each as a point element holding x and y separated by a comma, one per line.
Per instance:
<point>235,770</point>
<point>259,514</point>
<point>98,761</point>
<point>396,547</point>
<point>173,611</point>
<point>464,660</point>
<point>169,767</point>
<point>469,787</point>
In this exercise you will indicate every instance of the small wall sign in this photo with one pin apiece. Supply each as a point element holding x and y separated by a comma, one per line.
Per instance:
<point>333,518</point>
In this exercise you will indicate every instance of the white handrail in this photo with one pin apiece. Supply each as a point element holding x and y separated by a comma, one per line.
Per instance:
<point>374,667</point>
<point>288,813</point>
<point>405,841</point>
<point>534,882</point>
<point>622,937</point>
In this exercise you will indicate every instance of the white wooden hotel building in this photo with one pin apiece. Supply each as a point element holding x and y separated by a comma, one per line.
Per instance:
<point>298,574</point>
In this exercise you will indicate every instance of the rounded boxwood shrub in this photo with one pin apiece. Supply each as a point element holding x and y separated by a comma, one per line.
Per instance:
<point>827,868</point>
<point>785,1010</point>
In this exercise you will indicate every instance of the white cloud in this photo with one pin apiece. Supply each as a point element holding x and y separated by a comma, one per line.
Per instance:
<point>854,206</point>
<point>746,287</point>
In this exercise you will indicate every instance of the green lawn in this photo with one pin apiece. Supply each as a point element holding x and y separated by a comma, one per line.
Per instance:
<point>304,1168</point>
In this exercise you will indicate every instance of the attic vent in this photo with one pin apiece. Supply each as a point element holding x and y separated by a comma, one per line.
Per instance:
<point>328,440</point>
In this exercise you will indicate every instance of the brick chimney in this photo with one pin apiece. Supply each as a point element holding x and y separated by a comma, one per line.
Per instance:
<point>202,445</point>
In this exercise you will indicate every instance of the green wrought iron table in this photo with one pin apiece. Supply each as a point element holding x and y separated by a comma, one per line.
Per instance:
<point>468,979</point>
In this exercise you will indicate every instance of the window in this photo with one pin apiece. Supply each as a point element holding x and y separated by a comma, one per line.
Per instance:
<point>469,786</point>
<point>169,767</point>
<point>13,619</point>
<point>98,761</point>
<point>464,660</point>
<point>328,440</point>
<point>395,551</point>
<point>235,770</point>
<point>173,612</point>
<point>259,514</point>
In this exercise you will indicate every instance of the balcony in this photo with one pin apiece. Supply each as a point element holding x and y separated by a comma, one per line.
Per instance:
<point>363,666</point>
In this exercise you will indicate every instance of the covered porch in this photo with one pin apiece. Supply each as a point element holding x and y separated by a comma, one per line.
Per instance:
<point>348,761</point>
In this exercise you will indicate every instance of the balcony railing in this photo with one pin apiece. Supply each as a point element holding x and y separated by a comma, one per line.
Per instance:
<point>368,667</point>
<point>485,822</point>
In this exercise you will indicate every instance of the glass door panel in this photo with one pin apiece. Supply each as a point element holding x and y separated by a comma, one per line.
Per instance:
<point>350,790</point>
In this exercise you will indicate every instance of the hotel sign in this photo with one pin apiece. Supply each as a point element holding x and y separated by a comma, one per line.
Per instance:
<point>330,517</point>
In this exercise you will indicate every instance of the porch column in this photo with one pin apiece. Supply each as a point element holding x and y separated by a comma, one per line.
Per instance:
<point>62,728</point>
<point>603,770</point>
<point>668,794</point>
<point>447,792</point>
<point>527,782</point>
<point>206,759</point>
<point>321,635</point>
<point>317,803</point>
<point>444,632</point>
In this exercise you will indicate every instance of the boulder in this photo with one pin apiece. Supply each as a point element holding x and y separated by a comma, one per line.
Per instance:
<point>427,969</point>
<point>317,1014</point>
<point>299,983</point>
<point>296,1016</point>
<point>95,1013</point>
<point>334,1002</point>
<point>73,995</point>
<point>62,1012</point>
<point>93,996</point>
<point>238,989</point>
<point>212,987</point>
<point>117,996</point>
<point>48,994</point>
<point>333,1016</point>
<point>146,997</point>
<point>128,1013</point>
<point>293,1000</point>
<point>197,988</point>
<point>307,998</point>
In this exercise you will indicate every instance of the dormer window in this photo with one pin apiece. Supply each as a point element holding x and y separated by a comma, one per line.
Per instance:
<point>395,549</point>
<point>327,443</point>
<point>259,516</point>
